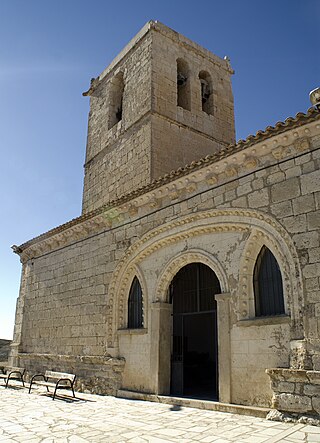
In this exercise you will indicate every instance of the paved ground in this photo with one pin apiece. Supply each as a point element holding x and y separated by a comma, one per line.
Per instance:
<point>93,418</point>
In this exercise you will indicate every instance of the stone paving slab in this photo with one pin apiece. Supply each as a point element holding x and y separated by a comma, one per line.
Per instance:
<point>35,418</point>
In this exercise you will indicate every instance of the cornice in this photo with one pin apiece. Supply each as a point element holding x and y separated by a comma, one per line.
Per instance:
<point>283,141</point>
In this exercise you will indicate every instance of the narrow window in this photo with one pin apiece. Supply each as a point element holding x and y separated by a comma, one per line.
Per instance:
<point>267,281</point>
<point>206,92</point>
<point>183,85</point>
<point>135,308</point>
<point>116,98</point>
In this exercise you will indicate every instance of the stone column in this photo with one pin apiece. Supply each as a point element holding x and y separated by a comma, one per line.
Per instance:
<point>161,324</point>
<point>224,346</point>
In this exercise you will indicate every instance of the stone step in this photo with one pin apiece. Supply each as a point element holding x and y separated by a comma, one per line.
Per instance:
<point>194,403</point>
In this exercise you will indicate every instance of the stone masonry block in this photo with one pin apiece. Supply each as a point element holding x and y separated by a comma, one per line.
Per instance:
<point>306,240</point>
<point>258,198</point>
<point>314,255</point>
<point>257,183</point>
<point>303,159</point>
<point>313,220</point>
<point>296,223</point>
<point>282,209</point>
<point>292,403</point>
<point>316,403</point>
<point>303,204</point>
<point>285,191</point>
<point>314,377</point>
<point>293,172</point>
<point>312,270</point>
<point>310,183</point>
<point>244,189</point>
<point>275,178</point>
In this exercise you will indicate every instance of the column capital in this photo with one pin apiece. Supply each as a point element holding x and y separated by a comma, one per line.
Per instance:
<point>223,297</point>
<point>161,305</point>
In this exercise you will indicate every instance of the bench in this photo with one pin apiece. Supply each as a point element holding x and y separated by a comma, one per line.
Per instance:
<point>12,373</point>
<point>56,380</point>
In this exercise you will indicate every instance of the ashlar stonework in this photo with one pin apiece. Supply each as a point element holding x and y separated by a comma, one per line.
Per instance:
<point>221,239</point>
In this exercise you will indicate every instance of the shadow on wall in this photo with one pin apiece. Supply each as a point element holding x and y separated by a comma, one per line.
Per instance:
<point>4,350</point>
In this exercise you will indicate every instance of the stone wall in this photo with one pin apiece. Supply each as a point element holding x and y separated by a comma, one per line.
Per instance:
<point>98,375</point>
<point>295,390</point>
<point>4,349</point>
<point>77,283</point>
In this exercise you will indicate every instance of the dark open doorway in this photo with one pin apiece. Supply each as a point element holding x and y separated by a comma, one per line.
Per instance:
<point>194,356</point>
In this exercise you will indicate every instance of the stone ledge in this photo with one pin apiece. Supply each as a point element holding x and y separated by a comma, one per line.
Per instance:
<point>92,359</point>
<point>198,404</point>
<point>140,331</point>
<point>262,321</point>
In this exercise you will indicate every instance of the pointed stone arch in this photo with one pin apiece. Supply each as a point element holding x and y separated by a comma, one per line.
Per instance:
<point>287,258</point>
<point>132,272</point>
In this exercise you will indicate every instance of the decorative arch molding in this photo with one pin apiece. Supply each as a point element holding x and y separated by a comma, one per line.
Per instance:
<point>133,271</point>
<point>183,259</point>
<point>287,258</point>
<point>206,222</point>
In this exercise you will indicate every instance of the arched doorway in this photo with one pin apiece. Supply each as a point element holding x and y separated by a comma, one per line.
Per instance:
<point>194,354</point>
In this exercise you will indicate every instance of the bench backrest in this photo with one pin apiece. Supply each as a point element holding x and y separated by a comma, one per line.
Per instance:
<point>8,369</point>
<point>59,375</point>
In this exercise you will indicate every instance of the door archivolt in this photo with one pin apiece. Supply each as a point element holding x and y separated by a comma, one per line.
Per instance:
<point>185,258</point>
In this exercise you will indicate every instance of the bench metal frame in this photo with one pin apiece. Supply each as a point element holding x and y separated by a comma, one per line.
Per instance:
<point>13,374</point>
<point>58,376</point>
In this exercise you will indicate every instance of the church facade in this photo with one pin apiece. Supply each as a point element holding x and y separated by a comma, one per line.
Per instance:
<point>194,268</point>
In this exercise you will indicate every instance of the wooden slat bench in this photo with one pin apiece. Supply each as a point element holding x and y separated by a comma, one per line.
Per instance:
<point>56,380</point>
<point>12,373</point>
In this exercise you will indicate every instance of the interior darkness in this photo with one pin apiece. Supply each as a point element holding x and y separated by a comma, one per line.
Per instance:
<point>194,360</point>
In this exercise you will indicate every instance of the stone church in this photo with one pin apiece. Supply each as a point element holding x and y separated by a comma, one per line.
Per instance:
<point>193,270</point>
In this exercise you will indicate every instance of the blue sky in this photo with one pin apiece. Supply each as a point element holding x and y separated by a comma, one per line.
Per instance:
<point>49,50</point>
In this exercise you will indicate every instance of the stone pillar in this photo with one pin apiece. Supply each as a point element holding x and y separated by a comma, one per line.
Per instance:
<point>161,324</point>
<point>224,346</point>
<point>15,347</point>
<point>300,356</point>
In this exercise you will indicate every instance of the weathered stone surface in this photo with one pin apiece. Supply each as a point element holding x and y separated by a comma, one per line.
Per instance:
<point>314,377</point>
<point>292,403</point>
<point>285,190</point>
<point>303,204</point>
<point>258,198</point>
<point>310,182</point>
<point>316,402</point>
<point>314,220</point>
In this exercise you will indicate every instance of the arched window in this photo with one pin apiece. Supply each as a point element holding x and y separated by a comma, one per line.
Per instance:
<point>267,282</point>
<point>115,99</point>
<point>135,308</point>
<point>206,92</point>
<point>183,85</point>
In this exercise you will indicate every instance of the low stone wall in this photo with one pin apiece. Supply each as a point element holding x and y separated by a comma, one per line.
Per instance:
<point>4,349</point>
<point>95,374</point>
<point>295,390</point>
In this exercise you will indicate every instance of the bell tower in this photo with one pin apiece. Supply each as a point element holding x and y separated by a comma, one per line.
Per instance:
<point>163,102</point>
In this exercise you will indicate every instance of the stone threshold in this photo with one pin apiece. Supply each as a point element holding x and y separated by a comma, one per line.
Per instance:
<point>208,405</point>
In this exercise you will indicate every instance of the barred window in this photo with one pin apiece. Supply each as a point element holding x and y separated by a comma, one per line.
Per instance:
<point>135,307</point>
<point>267,282</point>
